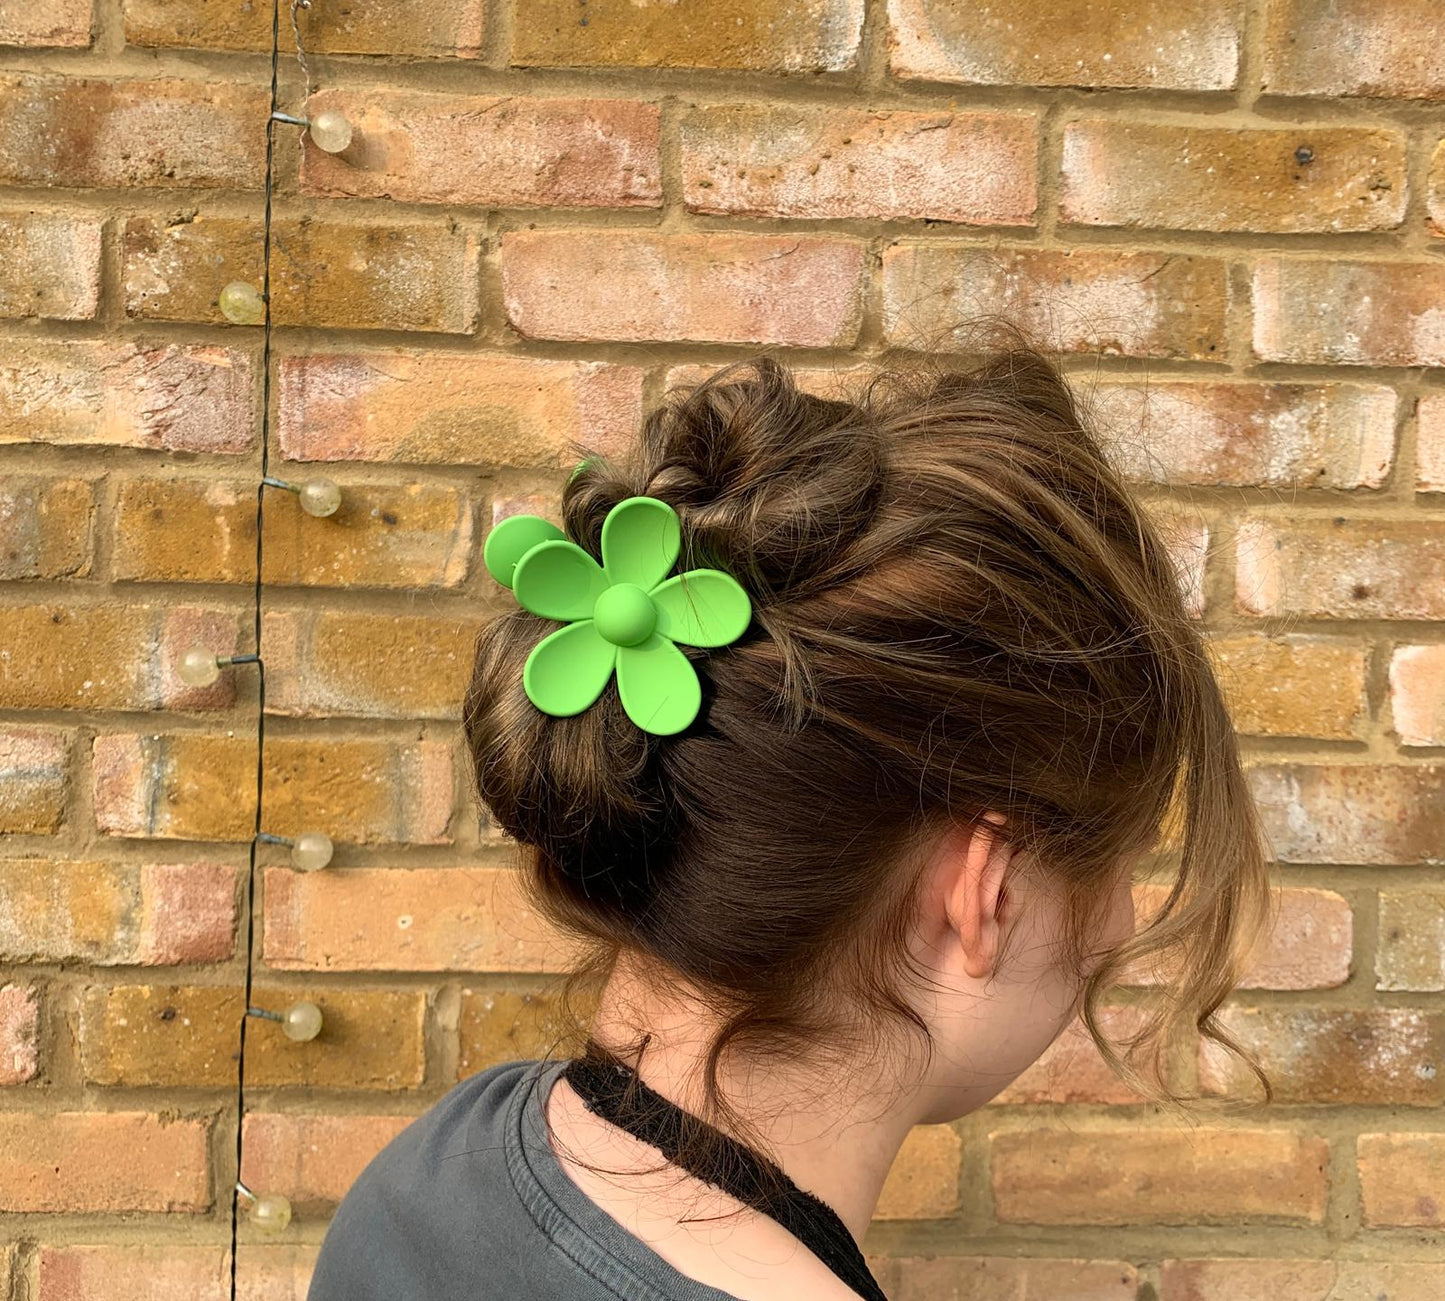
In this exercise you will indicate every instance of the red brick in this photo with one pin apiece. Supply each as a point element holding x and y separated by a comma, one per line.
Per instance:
<point>1310,944</point>
<point>444,28</point>
<point>55,23</point>
<point>312,1159</point>
<point>34,778</point>
<point>412,919</point>
<point>1294,685</point>
<point>19,1037</point>
<point>769,35</point>
<point>1352,813</point>
<point>1332,311</point>
<point>1185,534</point>
<point>156,1272</point>
<point>395,276</point>
<point>1402,1180</point>
<point>1149,1175</point>
<point>1417,694</point>
<point>110,656</point>
<point>192,786</point>
<point>800,290</point>
<point>45,527</point>
<point>1430,449</point>
<point>1003,1278</point>
<point>52,265</point>
<point>1221,178</point>
<point>1299,1280</point>
<point>144,914</point>
<point>185,398</point>
<point>155,131</point>
<point>497,152</point>
<point>758,161</point>
<point>452,408</point>
<point>1190,45</point>
<point>1385,48</point>
<point>1338,1056</point>
<point>204,531</point>
<point>1137,304</point>
<point>1341,568</point>
<point>1270,435</point>
<point>1072,1069</point>
<point>923,1182</point>
<point>1410,946</point>
<point>86,1162</point>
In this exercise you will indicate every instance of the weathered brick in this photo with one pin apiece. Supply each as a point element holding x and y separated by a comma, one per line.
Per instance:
<point>1185,534</point>
<point>203,531</point>
<point>414,919</point>
<point>1072,1069</point>
<point>1299,1280</point>
<point>1352,813</point>
<point>1148,1175</point>
<point>110,656</point>
<point>344,663</point>
<point>398,276</point>
<point>769,35</point>
<point>1341,568</point>
<point>144,914</point>
<point>1002,1278</point>
<point>1410,946</point>
<point>312,1159</point>
<point>34,779</point>
<point>1417,694</point>
<point>183,1036</point>
<point>452,408</point>
<point>718,287</point>
<point>55,23</point>
<point>1222,178</point>
<point>1430,443</point>
<point>155,1272</point>
<point>923,1182</point>
<point>1402,1180</point>
<point>89,1162</point>
<point>449,28</point>
<point>155,131</point>
<point>503,1026</point>
<point>1435,197</point>
<point>759,161</point>
<point>45,527</point>
<point>19,1038</point>
<point>185,398</point>
<point>51,267</point>
<point>1328,310</point>
<point>1383,48</point>
<point>1191,45</point>
<point>191,786</point>
<point>1087,300</point>
<point>501,152</point>
<point>1294,685</point>
<point>1339,1056</point>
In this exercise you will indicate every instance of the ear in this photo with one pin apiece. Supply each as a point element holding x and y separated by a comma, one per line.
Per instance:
<point>975,899</point>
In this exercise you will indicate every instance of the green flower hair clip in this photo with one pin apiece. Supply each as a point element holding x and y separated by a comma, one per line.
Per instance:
<point>625,613</point>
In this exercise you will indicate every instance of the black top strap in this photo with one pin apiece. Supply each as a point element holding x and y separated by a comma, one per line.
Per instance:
<point>613,1090</point>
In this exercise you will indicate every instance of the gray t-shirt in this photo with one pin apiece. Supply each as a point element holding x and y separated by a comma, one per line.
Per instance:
<point>469,1203</point>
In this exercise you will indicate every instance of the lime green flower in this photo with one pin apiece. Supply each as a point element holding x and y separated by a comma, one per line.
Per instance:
<point>624,614</point>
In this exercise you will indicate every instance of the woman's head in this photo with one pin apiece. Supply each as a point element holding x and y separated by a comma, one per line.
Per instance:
<point>971,698</point>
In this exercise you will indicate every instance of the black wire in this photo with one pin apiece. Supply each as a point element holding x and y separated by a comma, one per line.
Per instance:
<point>248,898</point>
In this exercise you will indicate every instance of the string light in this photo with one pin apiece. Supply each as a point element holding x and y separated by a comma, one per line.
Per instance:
<point>319,497</point>
<point>200,667</point>
<point>310,851</point>
<point>300,1022</point>
<point>267,1211</point>
<point>242,303</point>
<point>329,129</point>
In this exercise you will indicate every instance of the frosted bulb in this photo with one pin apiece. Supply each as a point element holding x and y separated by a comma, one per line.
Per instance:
<point>302,1023</point>
<point>198,667</point>
<point>320,497</point>
<point>311,851</point>
<point>271,1212</point>
<point>330,131</point>
<point>242,304</point>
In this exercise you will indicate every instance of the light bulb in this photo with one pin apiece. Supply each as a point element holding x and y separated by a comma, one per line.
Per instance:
<point>270,1211</point>
<point>320,497</point>
<point>242,304</point>
<point>330,131</point>
<point>302,1022</point>
<point>198,667</point>
<point>311,851</point>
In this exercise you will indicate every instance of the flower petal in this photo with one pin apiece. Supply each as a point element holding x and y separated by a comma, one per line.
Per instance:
<point>658,686</point>
<point>703,607</point>
<point>558,580</point>
<point>568,669</point>
<point>640,541</point>
<point>511,539</point>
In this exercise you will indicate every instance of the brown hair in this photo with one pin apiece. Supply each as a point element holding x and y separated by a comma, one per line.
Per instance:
<point>958,608</point>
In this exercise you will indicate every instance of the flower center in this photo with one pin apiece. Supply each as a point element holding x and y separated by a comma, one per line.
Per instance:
<point>624,614</point>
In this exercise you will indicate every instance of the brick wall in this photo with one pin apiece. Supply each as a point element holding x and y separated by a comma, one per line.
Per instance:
<point>552,209</point>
